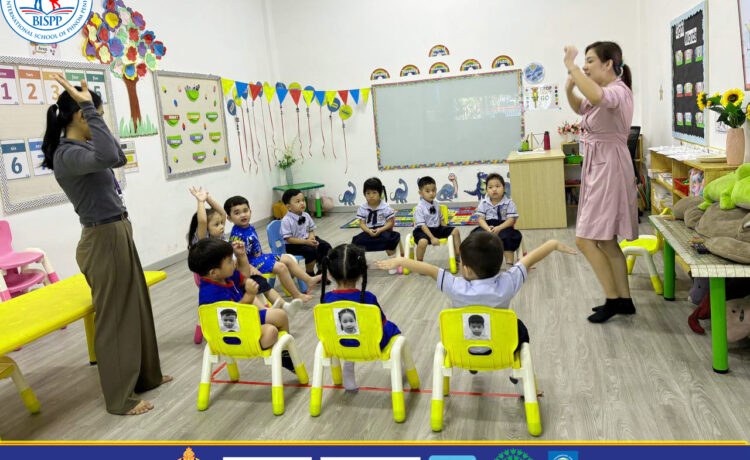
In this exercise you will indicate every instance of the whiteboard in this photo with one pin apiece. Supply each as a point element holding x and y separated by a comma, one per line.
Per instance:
<point>462,120</point>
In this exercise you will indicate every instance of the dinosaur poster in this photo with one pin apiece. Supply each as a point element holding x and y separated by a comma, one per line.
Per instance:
<point>400,194</point>
<point>347,199</point>
<point>480,187</point>
<point>449,191</point>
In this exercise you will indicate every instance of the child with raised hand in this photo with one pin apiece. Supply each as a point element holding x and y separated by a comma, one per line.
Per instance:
<point>498,214</point>
<point>347,265</point>
<point>223,279</point>
<point>428,220</point>
<point>206,223</point>
<point>377,219</point>
<point>284,266</point>
<point>482,282</point>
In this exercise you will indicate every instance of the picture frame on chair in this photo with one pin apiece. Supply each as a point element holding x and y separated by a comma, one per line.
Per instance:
<point>477,326</point>
<point>346,321</point>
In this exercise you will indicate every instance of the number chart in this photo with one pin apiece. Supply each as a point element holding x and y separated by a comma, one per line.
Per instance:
<point>27,89</point>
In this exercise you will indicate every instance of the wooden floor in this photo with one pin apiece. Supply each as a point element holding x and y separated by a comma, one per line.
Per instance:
<point>641,377</point>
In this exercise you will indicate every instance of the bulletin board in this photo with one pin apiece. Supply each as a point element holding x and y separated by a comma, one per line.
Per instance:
<point>689,57</point>
<point>449,121</point>
<point>194,130</point>
<point>27,89</point>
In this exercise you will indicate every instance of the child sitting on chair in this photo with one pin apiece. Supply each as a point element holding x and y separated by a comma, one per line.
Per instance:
<point>497,214</point>
<point>297,230</point>
<point>428,221</point>
<point>223,279</point>
<point>284,266</point>
<point>347,265</point>
<point>377,219</point>
<point>482,282</point>
<point>206,223</point>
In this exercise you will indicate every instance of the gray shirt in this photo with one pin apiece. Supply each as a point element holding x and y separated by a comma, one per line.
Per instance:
<point>83,170</point>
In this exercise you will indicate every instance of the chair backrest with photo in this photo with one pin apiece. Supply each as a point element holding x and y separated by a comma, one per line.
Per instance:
<point>243,344</point>
<point>364,346</point>
<point>496,353</point>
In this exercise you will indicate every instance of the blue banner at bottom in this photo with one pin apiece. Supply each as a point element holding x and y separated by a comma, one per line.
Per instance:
<point>370,451</point>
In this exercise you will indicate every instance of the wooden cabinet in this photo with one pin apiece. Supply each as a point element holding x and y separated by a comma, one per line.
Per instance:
<point>538,189</point>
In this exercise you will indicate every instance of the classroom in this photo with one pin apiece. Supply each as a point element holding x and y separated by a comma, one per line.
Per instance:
<point>345,165</point>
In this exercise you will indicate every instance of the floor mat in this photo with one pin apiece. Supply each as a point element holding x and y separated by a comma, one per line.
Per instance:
<point>456,217</point>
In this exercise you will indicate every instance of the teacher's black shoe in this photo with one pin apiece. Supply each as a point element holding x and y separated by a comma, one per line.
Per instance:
<point>626,306</point>
<point>606,311</point>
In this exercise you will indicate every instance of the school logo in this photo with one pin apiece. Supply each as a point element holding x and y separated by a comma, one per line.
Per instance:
<point>562,455</point>
<point>188,455</point>
<point>513,454</point>
<point>46,21</point>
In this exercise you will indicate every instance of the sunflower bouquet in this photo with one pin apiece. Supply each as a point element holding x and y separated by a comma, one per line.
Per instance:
<point>727,105</point>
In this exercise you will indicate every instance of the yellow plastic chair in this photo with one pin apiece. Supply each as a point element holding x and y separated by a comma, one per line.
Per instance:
<point>499,353</point>
<point>645,246</point>
<point>329,352</point>
<point>244,344</point>
<point>9,368</point>
<point>411,245</point>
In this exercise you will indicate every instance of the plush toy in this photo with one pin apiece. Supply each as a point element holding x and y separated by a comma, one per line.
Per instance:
<point>741,190</point>
<point>738,319</point>
<point>722,188</point>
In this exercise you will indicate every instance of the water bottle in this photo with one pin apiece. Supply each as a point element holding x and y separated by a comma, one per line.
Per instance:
<point>546,140</point>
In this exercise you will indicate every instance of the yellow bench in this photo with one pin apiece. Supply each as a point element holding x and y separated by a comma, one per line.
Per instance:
<point>25,318</point>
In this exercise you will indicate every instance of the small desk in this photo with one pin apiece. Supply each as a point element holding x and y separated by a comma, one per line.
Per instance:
<point>303,187</point>
<point>676,240</point>
<point>538,188</point>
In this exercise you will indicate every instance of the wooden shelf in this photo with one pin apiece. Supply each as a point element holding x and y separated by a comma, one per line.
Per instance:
<point>663,184</point>
<point>679,193</point>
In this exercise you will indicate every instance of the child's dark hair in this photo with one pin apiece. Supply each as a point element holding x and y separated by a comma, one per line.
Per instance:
<point>194,225</point>
<point>494,176</point>
<point>228,312</point>
<point>347,310</point>
<point>611,50</point>
<point>207,254</point>
<point>346,262</point>
<point>234,201</point>
<point>289,194</point>
<point>59,116</point>
<point>376,185</point>
<point>483,253</point>
<point>476,319</point>
<point>425,181</point>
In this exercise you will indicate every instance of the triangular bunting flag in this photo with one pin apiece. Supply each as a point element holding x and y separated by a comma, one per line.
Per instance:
<point>320,96</point>
<point>365,94</point>
<point>255,90</point>
<point>355,95</point>
<point>226,85</point>
<point>241,89</point>
<point>268,91</point>
<point>330,96</point>
<point>344,95</point>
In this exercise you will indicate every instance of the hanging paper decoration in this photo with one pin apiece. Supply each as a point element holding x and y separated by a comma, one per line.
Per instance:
<point>439,67</point>
<point>345,112</point>
<point>355,95</point>
<point>534,73</point>
<point>319,98</point>
<point>263,117</point>
<point>295,91</point>
<point>344,95</point>
<point>365,92</point>
<point>268,91</point>
<point>330,95</point>
<point>333,106</point>
<point>502,61</point>
<point>438,50</point>
<point>254,92</point>
<point>243,90</point>
<point>409,69</point>
<point>307,94</point>
<point>281,93</point>
<point>470,64</point>
<point>227,88</point>
<point>380,74</point>
<point>232,109</point>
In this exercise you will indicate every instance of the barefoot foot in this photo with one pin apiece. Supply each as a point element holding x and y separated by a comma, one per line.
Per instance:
<point>142,407</point>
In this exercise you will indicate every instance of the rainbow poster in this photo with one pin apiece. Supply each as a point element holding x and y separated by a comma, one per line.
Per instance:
<point>409,69</point>
<point>380,74</point>
<point>438,50</point>
<point>439,67</point>
<point>502,61</point>
<point>470,64</point>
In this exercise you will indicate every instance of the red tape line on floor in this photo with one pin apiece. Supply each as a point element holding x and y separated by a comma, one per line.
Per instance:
<point>338,387</point>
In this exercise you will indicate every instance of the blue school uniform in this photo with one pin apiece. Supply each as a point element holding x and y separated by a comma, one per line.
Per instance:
<point>263,262</point>
<point>233,290</point>
<point>354,295</point>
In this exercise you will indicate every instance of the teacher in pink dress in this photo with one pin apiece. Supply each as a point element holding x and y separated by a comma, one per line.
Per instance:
<point>607,206</point>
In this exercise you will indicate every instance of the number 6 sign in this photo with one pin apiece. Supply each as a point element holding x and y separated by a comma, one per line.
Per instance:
<point>14,159</point>
<point>30,79</point>
<point>96,83</point>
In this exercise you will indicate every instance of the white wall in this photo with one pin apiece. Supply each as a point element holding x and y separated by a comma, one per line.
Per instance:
<point>199,39</point>
<point>724,63</point>
<point>336,44</point>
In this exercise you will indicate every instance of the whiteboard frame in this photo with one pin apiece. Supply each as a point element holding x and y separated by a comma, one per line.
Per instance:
<point>519,73</point>
<point>162,131</point>
<point>9,206</point>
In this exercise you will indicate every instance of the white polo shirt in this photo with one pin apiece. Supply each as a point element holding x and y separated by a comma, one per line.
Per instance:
<point>503,210</point>
<point>374,218</point>
<point>427,214</point>
<point>297,226</point>
<point>495,292</point>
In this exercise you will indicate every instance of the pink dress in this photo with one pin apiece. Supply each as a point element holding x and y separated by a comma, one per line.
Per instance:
<point>608,204</point>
